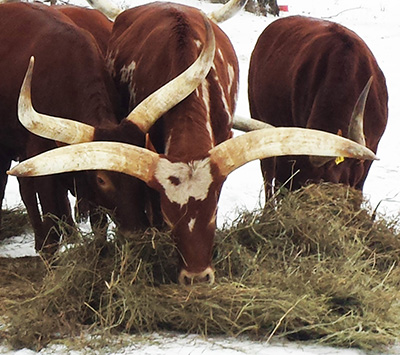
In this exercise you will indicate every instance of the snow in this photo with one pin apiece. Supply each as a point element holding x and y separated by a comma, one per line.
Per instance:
<point>376,21</point>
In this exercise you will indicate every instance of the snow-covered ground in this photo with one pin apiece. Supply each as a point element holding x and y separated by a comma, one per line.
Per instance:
<point>376,21</point>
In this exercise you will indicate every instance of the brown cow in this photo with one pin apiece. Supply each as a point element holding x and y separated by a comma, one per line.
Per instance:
<point>194,154</point>
<point>306,72</point>
<point>71,80</point>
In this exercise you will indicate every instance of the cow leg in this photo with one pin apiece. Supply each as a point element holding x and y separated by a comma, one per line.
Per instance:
<point>54,201</point>
<point>55,206</point>
<point>268,173</point>
<point>29,198</point>
<point>4,166</point>
<point>288,174</point>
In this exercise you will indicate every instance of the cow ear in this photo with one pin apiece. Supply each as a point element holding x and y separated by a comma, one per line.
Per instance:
<point>317,161</point>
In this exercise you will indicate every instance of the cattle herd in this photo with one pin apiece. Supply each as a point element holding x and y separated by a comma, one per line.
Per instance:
<point>135,114</point>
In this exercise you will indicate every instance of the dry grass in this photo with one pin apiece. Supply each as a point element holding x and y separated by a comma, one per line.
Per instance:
<point>14,222</point>
<point>311,266</point>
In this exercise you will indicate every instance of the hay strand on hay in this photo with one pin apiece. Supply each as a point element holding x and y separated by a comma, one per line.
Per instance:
<point>310,266</point>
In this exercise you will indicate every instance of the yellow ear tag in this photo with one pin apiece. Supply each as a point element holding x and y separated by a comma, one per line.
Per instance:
<point>339,160</point>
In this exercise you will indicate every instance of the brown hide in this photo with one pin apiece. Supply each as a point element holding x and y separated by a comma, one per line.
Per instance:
<point>307,72</point>
<point>150,45</point>
<point>69,80</point>
<point>92,21</point>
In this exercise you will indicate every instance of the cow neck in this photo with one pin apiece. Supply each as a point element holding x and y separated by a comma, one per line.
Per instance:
<point>188,134</point>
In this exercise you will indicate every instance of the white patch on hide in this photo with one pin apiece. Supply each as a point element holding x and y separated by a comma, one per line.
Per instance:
<point>182,181</point>
<point>221,55</point>
<point>127,77</point>
<point>223,98</point>
<point>198,43</point>
<point>111,63</point>
<point>168,145</point>
<point>127,72</point>
<point>191,224</point>
<point>231,76</point>
<point>205,95</point>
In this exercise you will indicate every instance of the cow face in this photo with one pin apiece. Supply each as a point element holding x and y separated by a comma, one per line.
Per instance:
<point>189,197</point>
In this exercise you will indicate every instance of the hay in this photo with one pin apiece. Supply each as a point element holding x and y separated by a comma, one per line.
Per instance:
<point>14,222</point>
<point>311,266</point>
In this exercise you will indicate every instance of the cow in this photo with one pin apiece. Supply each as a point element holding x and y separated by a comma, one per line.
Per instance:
<point>71,80</point>
<point>306,72</point>
<point>189,152</point>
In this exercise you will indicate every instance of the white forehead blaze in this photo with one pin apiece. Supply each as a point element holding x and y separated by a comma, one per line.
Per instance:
<point>181,181</point>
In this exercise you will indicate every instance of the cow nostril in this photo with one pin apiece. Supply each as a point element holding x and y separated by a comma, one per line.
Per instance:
<point>187,281</point>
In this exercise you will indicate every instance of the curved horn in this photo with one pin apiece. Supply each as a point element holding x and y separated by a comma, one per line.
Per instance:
<point>55,128</point>
<point>246,124</point>
<point>356,125</point>
<point>227,11</point>
<point>113,156</point>
<point>107,7</point>
<point>154,106</point>
<point>266,143</point>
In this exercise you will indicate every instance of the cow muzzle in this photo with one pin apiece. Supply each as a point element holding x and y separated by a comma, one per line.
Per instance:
<point>190,278</point>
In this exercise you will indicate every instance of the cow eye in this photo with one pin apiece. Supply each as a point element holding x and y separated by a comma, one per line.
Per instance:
<point>100,181</point>
<point>174,180</point>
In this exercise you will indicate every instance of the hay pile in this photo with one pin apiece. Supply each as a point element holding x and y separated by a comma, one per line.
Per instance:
<point>312,266</point>
<point>14,222</point>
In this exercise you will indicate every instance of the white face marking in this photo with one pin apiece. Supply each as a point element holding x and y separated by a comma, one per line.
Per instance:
<point>191,224</point>
<point>182,181</point>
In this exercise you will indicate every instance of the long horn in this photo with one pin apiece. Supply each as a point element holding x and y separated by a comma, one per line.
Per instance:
<point>55,128</point>
<point>227,11</point>
<point>246,124</point>
<point>113,156</point>
<point>108,8</point>
<point>154,106</point>
<point>266,143</point>
<point>356,125</point>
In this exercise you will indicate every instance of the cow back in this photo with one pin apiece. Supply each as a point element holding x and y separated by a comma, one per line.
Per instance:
<point>151,45</point>
<point>92,21</point>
